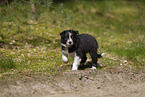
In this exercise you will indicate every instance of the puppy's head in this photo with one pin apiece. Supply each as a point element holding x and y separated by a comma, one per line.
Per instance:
<point>69,37</point>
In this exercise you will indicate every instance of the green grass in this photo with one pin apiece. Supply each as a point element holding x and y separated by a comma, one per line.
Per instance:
<point>34,46</point>
<point>6,64</point>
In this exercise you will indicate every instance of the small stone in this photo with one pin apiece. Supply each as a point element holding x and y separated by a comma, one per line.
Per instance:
<point>98,87</point>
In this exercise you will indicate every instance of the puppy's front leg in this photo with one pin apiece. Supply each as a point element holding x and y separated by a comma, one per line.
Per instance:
<point>64,55</point>
<point>76,63</point>
<point>64,58</point>
<point>64,52</point>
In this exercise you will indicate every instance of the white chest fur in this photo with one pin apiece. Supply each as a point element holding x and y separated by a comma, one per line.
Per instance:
<point>65,52</point>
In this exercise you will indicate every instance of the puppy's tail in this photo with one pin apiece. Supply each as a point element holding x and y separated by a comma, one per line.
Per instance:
<point>101,55</point>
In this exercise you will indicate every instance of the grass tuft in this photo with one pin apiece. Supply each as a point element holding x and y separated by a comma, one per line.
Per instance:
<point>6,63</point>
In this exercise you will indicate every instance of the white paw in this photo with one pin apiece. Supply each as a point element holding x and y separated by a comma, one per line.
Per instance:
<point>103,54</point>
<point>74,68</point>
<point>93,67</point>
<point>64,58</point>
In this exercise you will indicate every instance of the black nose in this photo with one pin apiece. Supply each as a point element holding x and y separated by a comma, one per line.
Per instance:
<point>69,42</point>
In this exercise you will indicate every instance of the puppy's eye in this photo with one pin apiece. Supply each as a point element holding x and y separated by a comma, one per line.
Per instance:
<point>66,36</point>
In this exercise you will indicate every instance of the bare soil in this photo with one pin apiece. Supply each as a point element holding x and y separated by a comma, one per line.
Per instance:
<point>115,82</point>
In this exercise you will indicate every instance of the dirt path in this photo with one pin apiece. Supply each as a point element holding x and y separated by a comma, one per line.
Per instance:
<point>83,83</point>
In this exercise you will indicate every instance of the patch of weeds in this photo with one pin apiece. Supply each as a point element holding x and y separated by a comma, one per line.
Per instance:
<point>132,52</point>
<point>6,63</point>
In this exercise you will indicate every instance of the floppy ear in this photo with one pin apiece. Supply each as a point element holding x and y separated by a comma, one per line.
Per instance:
<point>76,32</point>
<point>62,33</point>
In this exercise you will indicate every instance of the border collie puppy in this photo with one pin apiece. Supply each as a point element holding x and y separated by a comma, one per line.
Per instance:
<point>73,43</point>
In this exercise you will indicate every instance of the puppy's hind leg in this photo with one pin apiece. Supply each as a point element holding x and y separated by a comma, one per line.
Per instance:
<point>94,57</point>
